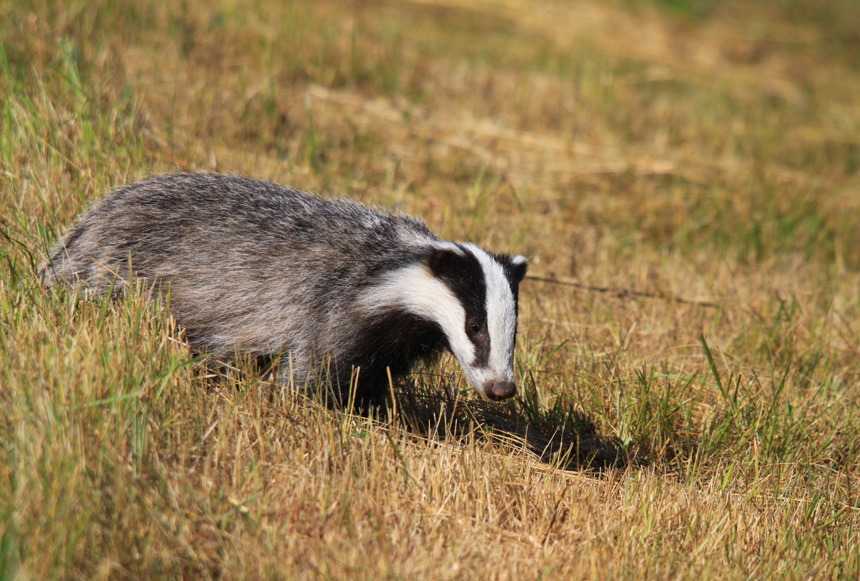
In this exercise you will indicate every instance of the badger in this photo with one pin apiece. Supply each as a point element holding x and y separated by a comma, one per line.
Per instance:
<point>342,295</point>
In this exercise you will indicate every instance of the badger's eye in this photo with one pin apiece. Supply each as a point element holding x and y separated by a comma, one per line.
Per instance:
<point>474,328</point>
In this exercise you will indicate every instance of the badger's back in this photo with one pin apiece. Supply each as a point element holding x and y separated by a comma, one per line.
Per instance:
<point>250,265</point>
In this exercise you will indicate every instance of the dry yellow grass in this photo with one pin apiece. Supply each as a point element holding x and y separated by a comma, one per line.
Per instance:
<point>660,149</point>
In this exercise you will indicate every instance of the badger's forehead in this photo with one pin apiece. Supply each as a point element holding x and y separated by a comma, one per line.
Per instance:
<point>498,298</point>
<point>497,267</point>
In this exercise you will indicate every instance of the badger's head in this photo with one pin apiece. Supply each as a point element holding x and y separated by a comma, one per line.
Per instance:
<point>478,313</point>
<point>471,295</point>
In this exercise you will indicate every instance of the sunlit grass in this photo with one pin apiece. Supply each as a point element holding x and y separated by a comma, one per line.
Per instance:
<point>646,151</point>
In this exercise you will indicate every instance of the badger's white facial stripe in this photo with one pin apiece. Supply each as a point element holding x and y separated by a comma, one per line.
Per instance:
<point>417,291</point>
<point>442,245</point>
<point>501,318</point>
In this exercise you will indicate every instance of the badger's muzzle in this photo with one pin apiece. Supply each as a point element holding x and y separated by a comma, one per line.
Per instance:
<point>499,390</point>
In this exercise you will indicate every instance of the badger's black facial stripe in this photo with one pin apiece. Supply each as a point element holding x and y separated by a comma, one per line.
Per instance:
<point>463,274</point>
<point>479,334</point>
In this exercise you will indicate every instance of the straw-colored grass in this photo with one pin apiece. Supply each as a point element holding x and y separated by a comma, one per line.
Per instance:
<point>683,175</point>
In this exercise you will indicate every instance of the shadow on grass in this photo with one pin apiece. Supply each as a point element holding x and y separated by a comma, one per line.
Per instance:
<point>558,435</point>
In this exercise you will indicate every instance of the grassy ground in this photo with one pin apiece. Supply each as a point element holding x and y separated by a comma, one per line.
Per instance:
<point>642,150</point>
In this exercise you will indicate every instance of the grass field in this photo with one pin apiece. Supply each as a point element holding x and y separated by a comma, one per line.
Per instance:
<point>683,175</point>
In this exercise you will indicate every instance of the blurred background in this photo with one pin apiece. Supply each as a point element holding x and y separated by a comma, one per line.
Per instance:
<point>614,129</point>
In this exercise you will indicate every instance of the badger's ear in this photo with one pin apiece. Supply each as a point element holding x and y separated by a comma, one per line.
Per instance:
<point>444,258</point>
<point>520,266</point>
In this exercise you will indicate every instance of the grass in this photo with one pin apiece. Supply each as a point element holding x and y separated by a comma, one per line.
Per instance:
<point>638,151</point>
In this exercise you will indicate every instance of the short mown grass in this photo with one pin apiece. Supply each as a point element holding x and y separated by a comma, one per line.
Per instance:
<point>684,177</point>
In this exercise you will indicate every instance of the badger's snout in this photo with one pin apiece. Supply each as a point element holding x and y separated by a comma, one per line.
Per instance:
<point>499,390</point>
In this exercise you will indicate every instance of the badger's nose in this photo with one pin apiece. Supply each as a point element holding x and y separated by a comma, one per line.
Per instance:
<point>499,390</point>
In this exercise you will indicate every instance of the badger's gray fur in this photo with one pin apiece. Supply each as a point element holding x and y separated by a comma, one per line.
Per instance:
<point>256,268</point>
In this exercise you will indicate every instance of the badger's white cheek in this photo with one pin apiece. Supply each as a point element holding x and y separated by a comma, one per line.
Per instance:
<point>462,349</point>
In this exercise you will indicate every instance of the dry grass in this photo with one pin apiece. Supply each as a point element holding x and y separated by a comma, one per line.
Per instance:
<point>661,149</point>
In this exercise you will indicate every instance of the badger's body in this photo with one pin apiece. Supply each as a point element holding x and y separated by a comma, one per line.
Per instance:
<point>331,286</point>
